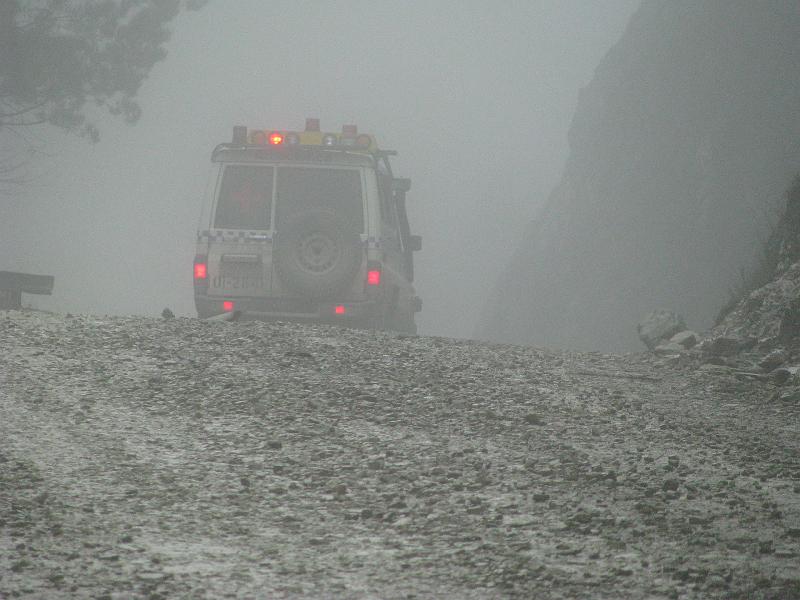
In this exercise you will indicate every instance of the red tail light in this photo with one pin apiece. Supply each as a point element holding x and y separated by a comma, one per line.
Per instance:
<point>200,268</point>
<point>228,306</point>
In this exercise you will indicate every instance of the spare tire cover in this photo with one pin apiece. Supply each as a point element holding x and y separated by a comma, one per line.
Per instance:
<point>316,253</point>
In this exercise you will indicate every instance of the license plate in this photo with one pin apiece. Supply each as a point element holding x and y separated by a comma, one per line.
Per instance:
<point>239,277</point>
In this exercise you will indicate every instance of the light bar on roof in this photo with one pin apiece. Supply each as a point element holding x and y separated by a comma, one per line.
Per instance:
<point>312,136</point>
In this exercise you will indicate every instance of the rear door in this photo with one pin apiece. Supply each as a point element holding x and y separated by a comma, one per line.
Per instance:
<point>240,248</point>
<point>305,188</point>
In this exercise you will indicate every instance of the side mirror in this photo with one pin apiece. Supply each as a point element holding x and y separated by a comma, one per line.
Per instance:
<point>414,243</point>
<point>401,185</point>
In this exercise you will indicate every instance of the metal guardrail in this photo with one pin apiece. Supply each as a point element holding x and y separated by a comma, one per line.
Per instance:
<point>12,285</point>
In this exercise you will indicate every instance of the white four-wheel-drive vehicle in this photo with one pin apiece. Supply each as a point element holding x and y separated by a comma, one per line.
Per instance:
<point>306,225</point>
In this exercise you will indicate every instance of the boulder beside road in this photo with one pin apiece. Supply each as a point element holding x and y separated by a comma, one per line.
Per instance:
<point>686,339</point>
<point>658,326</point>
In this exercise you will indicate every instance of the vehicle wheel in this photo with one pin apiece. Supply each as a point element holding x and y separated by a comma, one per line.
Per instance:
<point>402,322</point>
<point>316,254</point>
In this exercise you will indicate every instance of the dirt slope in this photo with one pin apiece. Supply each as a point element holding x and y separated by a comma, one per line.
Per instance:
<point>183,459</point>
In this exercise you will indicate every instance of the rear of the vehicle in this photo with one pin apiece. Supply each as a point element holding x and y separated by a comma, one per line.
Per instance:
<point>287,233</point>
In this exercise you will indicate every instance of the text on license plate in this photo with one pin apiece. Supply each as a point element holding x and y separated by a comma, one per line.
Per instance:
<point>238,282</point>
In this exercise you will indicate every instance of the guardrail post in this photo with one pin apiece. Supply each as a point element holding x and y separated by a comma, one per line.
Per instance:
<point>10,300</point>
<point>13,284</point>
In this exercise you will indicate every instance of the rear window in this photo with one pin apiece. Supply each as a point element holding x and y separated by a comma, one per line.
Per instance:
<point>245,197</point>
<point>338,190</point>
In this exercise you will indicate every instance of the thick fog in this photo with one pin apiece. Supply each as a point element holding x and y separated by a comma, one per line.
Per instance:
<point>477,98</point>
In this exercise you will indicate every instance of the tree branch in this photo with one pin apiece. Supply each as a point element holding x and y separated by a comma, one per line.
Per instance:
<point>22,111</point>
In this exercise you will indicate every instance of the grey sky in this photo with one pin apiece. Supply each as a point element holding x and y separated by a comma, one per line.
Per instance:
<point>476,96</point>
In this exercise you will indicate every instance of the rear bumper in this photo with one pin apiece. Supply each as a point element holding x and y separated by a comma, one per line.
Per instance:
<point>289,309</point>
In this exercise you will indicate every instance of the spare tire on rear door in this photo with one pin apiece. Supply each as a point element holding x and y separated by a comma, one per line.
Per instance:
<point>316,253</point>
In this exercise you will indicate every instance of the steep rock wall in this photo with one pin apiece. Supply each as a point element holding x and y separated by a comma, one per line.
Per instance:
<point>680,151</point>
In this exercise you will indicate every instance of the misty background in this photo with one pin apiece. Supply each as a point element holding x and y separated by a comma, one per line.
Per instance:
<point>476,96</point>
<point>682,149</point>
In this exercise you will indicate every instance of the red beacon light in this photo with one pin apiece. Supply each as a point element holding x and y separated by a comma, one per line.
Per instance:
<point>275,138</point>
<point>349,133</point>
<point>228,306</point>
<point>339,310</point>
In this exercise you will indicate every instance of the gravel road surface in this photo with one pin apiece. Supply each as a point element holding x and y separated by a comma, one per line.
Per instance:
<point>184,459</point>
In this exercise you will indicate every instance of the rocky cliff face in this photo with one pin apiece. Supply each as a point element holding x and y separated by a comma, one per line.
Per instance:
<point>680,151</point>
<point>769,312</point>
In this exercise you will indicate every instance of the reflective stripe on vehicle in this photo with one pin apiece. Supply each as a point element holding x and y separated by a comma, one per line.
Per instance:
<point>233,236</point>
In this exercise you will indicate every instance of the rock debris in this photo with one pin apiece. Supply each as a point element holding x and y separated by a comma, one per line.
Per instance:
<point>165,458</point>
